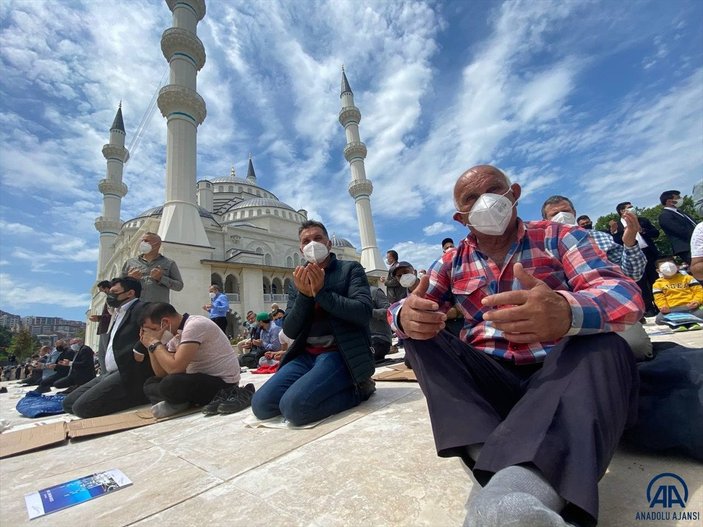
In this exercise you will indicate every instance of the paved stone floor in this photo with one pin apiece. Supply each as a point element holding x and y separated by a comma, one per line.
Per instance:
<point>372,466</point>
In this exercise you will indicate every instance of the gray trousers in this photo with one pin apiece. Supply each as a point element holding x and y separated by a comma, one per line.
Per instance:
<point>564,416</point>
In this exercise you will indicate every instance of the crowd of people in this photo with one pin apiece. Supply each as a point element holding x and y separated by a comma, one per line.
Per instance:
<point>523,337</point>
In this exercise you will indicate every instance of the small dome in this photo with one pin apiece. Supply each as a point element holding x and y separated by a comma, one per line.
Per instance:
<point>231,179</point>
<point>261,202</point>
<point>341,242</point>
<point>157,211</point>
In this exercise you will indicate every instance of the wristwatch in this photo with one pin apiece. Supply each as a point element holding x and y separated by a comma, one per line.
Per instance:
<point>152,347</point>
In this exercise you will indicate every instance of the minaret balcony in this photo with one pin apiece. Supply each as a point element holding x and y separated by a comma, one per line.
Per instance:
<point>107,225</point>
<point>115,188</point>
<point>197,5</point>
<point>355,150</point>
<point>349,114</point>
<point>174,98</point>
<point>178,40</point>
<point>361,187</point>
<point>111,151</point>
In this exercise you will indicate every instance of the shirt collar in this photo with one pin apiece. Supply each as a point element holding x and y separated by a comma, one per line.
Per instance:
<point>124,307</point>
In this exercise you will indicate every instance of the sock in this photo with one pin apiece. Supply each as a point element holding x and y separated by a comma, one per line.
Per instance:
<point>164,409</point>
<point>518,496</point>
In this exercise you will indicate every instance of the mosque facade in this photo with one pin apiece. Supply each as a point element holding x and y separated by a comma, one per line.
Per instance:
<point>228,230</point>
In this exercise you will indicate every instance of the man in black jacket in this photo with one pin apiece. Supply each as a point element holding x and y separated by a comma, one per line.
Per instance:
<point>126,360</point>
<point>328,367</point>
<point>81,368</point>
<point>58,365</point>
<point>677,225</point>
<point>645,239</point>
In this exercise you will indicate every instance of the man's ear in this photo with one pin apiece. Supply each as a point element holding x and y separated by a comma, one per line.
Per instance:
<point>458,216</point>
<point>517,190</point>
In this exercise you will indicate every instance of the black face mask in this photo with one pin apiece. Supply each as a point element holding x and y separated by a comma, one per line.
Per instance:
<point>113,300</point>
<point>587,226</point>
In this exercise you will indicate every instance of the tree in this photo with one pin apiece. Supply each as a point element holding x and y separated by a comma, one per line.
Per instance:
<point>652,214</point>
<point>23,344</point>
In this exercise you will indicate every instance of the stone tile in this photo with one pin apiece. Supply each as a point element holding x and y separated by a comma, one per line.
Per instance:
<point>160,480</point>
<point>224,447</point>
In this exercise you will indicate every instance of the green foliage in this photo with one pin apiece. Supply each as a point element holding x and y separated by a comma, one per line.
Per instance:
<point>5,338</point>
<point>23,344</point>
<point>652,214</point>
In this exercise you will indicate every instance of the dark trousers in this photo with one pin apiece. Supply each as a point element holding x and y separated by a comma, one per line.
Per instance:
<point>177,388</point>
<point>380,348</point>
<point>645,283</point>
<point>221,323</point>
<point>46,384</point>
<point>103,395</point>
<point>565,417</point>
<point>72,379</point>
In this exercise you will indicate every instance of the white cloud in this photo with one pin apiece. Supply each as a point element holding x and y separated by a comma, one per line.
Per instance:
<point>437,228</point>
<point>420,255</point>
<point>10,228</point>
<point>18,294</point>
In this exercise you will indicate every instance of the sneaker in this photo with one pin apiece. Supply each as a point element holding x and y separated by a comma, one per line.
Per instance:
<point>239,399</point>
<point>694,327</point>
<point>220,397</point>
<point>366,389</point>
<point>679,329</point>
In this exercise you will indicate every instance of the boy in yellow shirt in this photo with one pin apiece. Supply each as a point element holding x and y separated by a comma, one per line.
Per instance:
<point>675,292</point>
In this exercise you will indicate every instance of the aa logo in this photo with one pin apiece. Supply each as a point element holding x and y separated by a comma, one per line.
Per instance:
<point>667,490</point>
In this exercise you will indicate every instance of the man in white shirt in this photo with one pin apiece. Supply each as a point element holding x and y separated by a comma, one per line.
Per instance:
<point>121,387</point>
<point>192,359</point>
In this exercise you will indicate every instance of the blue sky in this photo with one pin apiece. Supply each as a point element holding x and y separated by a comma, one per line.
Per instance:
<point>601,101</point>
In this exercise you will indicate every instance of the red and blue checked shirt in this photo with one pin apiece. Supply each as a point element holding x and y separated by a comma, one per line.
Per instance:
<point>601,297</point>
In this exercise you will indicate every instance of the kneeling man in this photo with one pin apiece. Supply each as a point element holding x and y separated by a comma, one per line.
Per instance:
<point>192,359</point>
<point>328,367</point>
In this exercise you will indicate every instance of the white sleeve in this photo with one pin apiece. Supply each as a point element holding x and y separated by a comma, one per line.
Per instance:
<point>697,241</point>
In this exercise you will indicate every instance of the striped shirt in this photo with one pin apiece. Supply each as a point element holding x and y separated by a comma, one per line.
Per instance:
<point>601,298</point>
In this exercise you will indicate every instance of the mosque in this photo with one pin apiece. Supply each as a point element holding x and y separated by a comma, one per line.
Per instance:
<point>226,230</point>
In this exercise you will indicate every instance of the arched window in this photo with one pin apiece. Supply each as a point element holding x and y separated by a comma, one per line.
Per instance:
<point>231,284</point>
<point>216,279</point>
<point>230,188</point>
<point>289,262</point>
<point>277,287</point>
<point>286,286</point>
<point>268,260</point>
<point>267,285</point>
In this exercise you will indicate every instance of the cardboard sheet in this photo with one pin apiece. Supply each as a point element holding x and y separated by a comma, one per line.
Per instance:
<point>110,423</point>
<point>399,372</point>
<point>27,439</point>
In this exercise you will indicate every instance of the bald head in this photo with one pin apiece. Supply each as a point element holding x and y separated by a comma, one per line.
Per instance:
<point>476,181</point>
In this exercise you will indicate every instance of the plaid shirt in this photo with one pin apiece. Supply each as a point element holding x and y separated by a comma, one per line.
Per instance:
<point>631,259</point>
<point>602,299</point>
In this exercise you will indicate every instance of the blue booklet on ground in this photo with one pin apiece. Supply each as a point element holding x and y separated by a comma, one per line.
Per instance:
<point>74,492</point>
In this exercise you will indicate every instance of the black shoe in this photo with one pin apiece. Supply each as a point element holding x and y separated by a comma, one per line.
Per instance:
<point>238,400</point>
<point>366,388</point>
<point>220,397</point>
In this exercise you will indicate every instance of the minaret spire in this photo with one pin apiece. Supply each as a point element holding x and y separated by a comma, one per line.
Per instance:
<point>184,110</point>
<point>113,190</point>
<point>251,175</point>
<point>360,188</point>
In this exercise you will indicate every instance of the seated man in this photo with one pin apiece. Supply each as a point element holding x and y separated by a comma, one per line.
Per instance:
<point>81,368</point>
<point>381,336</point>
<point>268,340</point>
<point>536,393</point>
<point>192,359</point>
<point>328,367</point>
<point>126,364</point>
<point>245,346</point>
<point>38,364</point>
<point>56,365</point>
<point>629,257</point>
<point>675,292</point>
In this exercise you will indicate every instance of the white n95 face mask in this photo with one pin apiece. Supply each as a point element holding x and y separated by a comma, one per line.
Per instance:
<point>678,202</point>
<point>407,280</point>
<point>565,217</point>
<point>491,214</point>
<point>668,269</point>
<point>315,252</point>
<point>144,247</point>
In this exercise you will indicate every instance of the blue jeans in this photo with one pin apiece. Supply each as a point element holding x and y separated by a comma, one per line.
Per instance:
<point>307,389</point>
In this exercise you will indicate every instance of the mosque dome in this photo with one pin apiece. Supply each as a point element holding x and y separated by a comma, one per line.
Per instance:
<point>261,202</point>
<point>341,242</point>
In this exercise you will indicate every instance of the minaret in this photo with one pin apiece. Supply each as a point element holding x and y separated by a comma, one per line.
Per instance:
<point>360,188</point>
<point>113,190</point>
<point>184,110</point>
<point>251,175</point>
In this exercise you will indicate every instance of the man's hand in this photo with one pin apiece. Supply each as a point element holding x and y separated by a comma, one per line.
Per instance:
<point>309,280</point>
<point>149,336</point>
<point>534,314</point>
<point>665,309</point>
<point>207,307</point>
<point>692,305</point>
<point>257,342</point>
<point>64,362</point>
<point>632,227</point>
<point>94,318</point>
<point>420,318</point>
<point>156,273</point>
<point>134,272</point>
